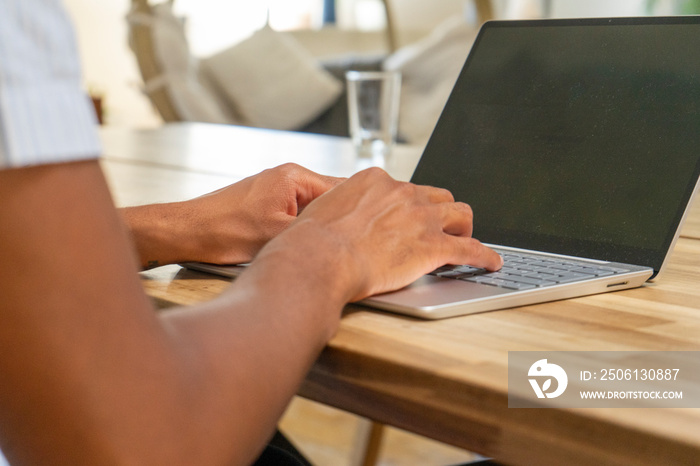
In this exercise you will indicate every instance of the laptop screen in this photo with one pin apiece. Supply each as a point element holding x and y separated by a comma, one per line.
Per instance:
<point>577,137</point>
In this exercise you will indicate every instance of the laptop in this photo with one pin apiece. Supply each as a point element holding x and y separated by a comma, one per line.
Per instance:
<point>577,144</point>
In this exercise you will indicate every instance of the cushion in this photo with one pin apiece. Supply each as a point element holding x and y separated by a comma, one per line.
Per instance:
<point>194,102</point>
<point>170,41</point>
<point>271,81</point>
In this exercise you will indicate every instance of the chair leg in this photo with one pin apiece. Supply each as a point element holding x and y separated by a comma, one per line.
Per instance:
<point>374,443</point>
<point>368,441</point>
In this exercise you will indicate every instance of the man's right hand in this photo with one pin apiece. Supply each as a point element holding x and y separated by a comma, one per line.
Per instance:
<point>385,233</point>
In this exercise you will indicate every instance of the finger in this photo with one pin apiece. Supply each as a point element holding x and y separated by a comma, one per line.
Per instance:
<point>458,219</point>
<point>469,251</point>
<point>435,194</point>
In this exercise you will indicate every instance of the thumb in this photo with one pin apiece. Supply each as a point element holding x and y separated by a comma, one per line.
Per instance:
<point>312,186</point>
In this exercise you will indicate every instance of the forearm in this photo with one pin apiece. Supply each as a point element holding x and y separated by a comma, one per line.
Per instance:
<point>270,325</point>
<point>159,234</point>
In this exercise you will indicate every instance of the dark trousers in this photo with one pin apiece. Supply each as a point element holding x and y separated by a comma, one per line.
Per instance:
<point>280,452</point>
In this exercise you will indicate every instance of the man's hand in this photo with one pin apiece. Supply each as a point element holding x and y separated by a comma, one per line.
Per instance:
<point>229,225</point>
<point>384,234</point>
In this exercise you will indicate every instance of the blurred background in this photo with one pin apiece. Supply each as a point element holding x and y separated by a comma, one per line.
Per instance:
<point>111,71</point>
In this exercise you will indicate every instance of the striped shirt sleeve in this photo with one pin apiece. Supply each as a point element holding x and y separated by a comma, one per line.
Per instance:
<point>45,116</point>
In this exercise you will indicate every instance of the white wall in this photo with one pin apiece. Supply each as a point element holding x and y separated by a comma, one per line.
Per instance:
<point>108,64</point>
<point>512,9</point>
<point>588,8</point>
<point>216,24</point>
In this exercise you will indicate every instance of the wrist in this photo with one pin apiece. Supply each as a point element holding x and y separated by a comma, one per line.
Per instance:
<point>158,234</point>
<point>308,264</point>
<point>330,259</point>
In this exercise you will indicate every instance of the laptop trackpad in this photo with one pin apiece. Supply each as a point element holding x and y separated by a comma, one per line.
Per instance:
<point>430,291</point>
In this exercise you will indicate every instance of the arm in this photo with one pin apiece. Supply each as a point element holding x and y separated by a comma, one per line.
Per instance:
<point>92,375</point>
<point>228,226</point>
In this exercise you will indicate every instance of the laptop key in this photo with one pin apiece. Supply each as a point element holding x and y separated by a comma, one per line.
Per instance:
<point>450,274</point>
<point>531,281</point>
<point>513,270</point>
<point>612,269</point>
<point>496,282</point>
<point>453,271</point>
<point>543,276</point>
<point>460,272</point>
<point>468,269</point>
<point>500,275</point>
<point>444,268</point>
<point>542,269</point>
<point>593,271</point>
<point>476,279</point>
<point>563,267</point>
<point>517,286</point>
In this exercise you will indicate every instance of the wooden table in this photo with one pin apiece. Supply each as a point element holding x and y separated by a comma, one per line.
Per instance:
<point>443,379</point>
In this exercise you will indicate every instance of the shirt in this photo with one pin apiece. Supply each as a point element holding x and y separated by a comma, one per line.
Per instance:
<point>45,116</point>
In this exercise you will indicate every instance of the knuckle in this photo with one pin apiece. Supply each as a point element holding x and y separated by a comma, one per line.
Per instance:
<point>376,171</point>
<point>465,209</point>
<point>405,189</point>
<point>289,169</point>
<point>376,175</point>
<point>474,244</point>
<point>445,193</point>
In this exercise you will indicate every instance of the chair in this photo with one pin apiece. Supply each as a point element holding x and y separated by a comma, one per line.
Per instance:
<point>141,41</point>
<point>484,12</point>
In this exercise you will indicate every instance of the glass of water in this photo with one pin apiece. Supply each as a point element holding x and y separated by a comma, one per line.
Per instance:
<point>373,110</point>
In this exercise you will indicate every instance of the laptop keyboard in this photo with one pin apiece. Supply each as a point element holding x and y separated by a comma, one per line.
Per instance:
<point>523,271</point>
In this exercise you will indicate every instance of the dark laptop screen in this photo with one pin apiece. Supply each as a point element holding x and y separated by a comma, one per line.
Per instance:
<point>578,137</point>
